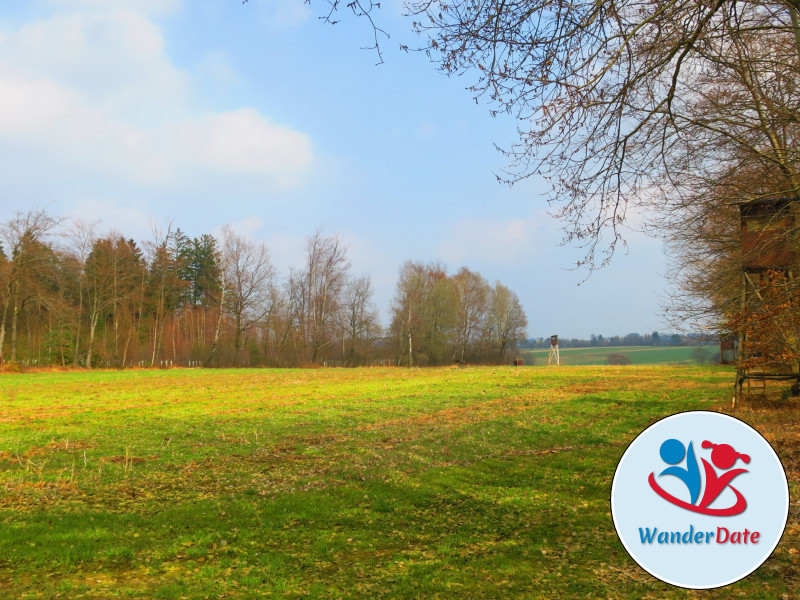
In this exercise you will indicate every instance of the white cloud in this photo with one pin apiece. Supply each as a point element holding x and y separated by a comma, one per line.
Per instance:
<point>114,60</point>
<point>283,14</point>
<point>95,90</point>
<point>112,215</point>
<point>488,241</point>
<point>216,68</point>
<point>367,257</point>
<point>246,227</point>
<point>149,7</point>
<point>243,141</point>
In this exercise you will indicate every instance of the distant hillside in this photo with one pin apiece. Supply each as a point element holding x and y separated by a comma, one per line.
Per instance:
<point>638,355</point>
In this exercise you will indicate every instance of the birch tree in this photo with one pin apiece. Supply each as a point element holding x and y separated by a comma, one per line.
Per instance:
<point>324,278</point>
<point>472,296</point>
<point>360,319</point>
<point>249,277</point>
<point>164,283</point>
<point>407,308</point>
<point>81,236</point>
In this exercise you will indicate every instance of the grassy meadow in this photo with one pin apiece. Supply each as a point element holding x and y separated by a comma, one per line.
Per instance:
<point>343,483</point>
<point>638,355</point>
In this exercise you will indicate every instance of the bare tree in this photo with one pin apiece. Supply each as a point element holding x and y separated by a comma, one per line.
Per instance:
<point>598,89</point>
<point>604,90</point>
<point>99,274</point>
<point>56,311</point>
<point>440,317</point>
<point>360,319</point>
<point>81,238</point>
<point>24,237</point>
<point>407,307</point>
<point>165,285</point>
<point>120,304</point>
<point>507,321</point>
<point>112,272</point>
<point>296,326</point>
<point>740,135</point>
<point>323,280</point>
<point>218,295</point>
<point>424,313</point>
<point>249,276</point>
<point>275,327</point>
<point>472,295</point>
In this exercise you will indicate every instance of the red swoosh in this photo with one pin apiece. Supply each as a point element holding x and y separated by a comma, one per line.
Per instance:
<point>737,508</point>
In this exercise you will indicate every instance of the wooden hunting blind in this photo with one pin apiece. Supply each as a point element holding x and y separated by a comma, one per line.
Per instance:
<point>554,357</point>
<point>727,350</point>
<point>767,229</point>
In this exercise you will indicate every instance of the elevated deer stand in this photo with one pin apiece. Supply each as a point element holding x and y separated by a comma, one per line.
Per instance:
<point>766,225</point>
<point>553,358</point>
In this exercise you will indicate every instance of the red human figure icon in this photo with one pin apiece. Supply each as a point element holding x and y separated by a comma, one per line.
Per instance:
<point>724,457</point>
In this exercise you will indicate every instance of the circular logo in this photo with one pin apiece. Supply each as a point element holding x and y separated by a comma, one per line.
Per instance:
<point>699,500</point>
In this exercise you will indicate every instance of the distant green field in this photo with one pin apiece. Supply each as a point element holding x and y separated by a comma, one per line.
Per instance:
<point>639,355</point>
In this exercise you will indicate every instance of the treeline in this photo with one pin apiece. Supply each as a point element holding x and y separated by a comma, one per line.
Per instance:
<point>598,341</point>
<point>73,297</point>
<point>439,318</point>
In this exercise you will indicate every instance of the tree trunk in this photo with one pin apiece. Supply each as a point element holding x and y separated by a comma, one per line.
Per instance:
<point>174,346</point>
<point>92,326</point>
<point>218,328</point>
<point>125,348</point>
<point>14,313</point>
<point>216,340</point>
<point>3,323</point>
<point>237,342</point>
<point>78,329</point>
<point>115,316</point>
<point>156,327</point>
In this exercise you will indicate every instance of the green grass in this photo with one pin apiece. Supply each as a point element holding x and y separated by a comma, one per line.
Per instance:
<point>449,483</point>
<point>639,355</point>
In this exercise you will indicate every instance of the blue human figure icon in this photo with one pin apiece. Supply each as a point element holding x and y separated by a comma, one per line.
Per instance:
<point>672,452</point>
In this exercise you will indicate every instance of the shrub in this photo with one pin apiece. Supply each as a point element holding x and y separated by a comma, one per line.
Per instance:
<point>617,359</point>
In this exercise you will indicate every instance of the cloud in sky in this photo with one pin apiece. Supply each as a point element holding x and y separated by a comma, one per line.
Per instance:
<point>484,241</point>
<point>246,227</point>
<point>216,67</point>
<point>149,7</point>
<point>94,88</point>
<point>284,13</point>
<point>128,219</point>
<point>144,111</point>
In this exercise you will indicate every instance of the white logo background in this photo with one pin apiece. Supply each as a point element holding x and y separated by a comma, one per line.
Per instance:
<point>635,505</point>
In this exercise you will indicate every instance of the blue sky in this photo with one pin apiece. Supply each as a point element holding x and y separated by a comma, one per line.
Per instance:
<point>261,116</point>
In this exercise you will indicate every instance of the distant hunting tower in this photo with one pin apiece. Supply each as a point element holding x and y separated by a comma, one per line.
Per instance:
<point>553,357</point>
<point>766,228</point>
